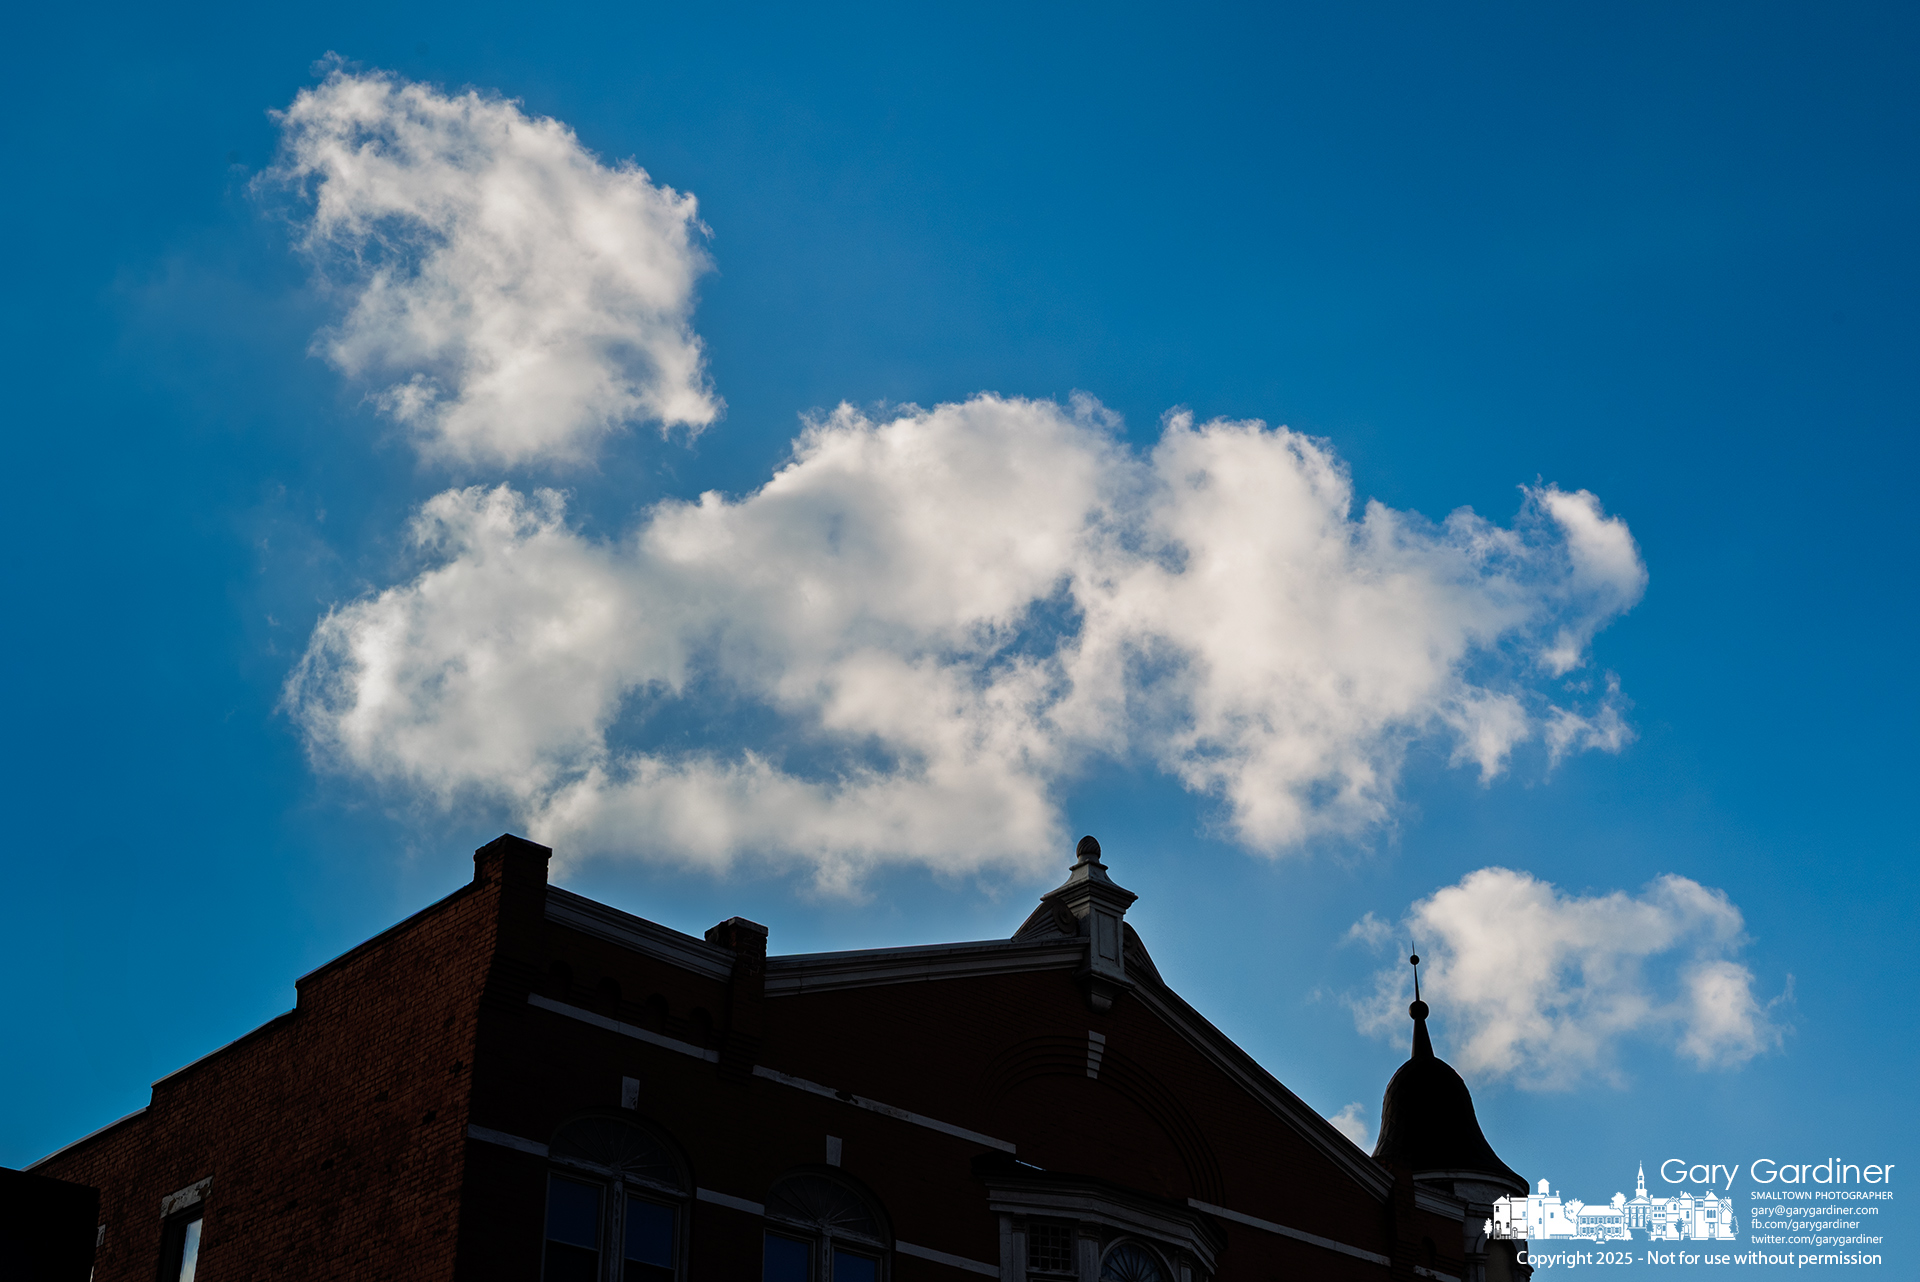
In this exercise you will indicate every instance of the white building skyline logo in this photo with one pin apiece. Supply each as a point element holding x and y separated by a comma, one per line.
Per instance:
<point>1685,1217</point>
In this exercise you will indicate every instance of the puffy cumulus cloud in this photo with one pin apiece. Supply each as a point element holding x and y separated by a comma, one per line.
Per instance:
<point>1309,647</point>
<point>1543,987</point>
<point>512,298</point>
<point>904,644</point>
<point>872,598</point>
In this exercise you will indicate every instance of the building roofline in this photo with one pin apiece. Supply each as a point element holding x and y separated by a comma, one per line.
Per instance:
<point>222,1049</point>
<point>663,943</point>
<point>260,1029</point>
<point>90,1136</point>
<point>797,973</point>
<point>1247,1072</point>
<point>790,974</point>
<point>383,936</point>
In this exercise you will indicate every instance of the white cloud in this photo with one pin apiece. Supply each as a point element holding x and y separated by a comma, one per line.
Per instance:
<point>1351,1122</point>
<point>902,646</point>
<point>1606,729</point>
<point>1606,571</point>
<point>1370,930</point>
<point>1313,646</point>
<point>510,298</point>
<point>1543,987</point>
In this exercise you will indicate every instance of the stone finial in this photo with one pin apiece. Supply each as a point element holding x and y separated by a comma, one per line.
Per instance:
<point>1097,908</point>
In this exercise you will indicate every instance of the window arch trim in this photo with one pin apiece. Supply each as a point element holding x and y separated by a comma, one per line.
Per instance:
<point>1156,1256</point>
<point>836,1216</point>
<point>829,1217</point>
<point>627,1158</point>
<point>664,1169</point>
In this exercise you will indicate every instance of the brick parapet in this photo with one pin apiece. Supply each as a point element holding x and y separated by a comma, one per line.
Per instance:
<point>333,1135</point>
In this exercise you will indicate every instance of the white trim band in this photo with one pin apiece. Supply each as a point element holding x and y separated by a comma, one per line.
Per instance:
<point>728,1199</point>
<point>901,1114</point>
<point>761,1070</point>
<point>625,1030</point>
<point>487,1135</point>
<point>951,1261</point>
<point>1372,1257</point>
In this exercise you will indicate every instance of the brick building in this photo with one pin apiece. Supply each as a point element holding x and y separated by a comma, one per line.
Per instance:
<point>521,1083</point>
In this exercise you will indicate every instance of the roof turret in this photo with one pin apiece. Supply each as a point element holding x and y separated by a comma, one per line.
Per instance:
<point>1427,1121</point>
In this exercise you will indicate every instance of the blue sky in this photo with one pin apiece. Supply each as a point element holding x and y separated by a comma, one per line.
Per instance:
<point>1488,258</point>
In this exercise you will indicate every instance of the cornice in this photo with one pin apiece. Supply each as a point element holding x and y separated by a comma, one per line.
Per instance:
<point>663,943</point>
<point>797,973</point>
<point>1426,1199</point>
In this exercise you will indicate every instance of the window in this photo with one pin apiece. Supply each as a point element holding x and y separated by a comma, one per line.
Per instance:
<point>1050,1248</point>
<point>1051,1223</point>
<point>1131,1262</point>
<point>180,1247</point>
<point>573,1231</point>
<point>650,1234</point>
<point>852,1266</point>
<point>786,1259</point>
<point>829,1230</point>
<point>616,1204</point>
<point>180,1224</point>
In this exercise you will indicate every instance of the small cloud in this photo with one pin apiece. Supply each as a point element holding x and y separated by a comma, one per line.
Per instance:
<point>1369,930</point>
<point>1604,729</point>
<point>1351,1122</point>
<point>1605,575</point>
<point>1544,988</point>
<point>510,297</point>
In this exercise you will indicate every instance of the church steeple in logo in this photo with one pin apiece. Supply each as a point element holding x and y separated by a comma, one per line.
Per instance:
<point>1686,1217</point>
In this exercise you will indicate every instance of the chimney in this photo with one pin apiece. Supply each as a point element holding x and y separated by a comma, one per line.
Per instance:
<point>746,992</point>
<point>512,861</point>
<point>519,868</point>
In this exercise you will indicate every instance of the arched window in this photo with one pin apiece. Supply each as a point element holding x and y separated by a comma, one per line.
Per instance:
<point>1131,1262</point>
<point>1052,1225</point>
<point>823,1228</point>
<point>616,1204</point>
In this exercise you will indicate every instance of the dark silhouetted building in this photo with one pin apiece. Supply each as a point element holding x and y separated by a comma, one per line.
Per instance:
<point>47,1228</point>
<point>521,1083</point>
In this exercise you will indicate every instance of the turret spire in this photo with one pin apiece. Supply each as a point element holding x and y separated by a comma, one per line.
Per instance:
<point>1422,1044</point>
<point>1426,1117</point>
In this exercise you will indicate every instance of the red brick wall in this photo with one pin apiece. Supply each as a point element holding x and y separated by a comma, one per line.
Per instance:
<point>332,1134</point>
